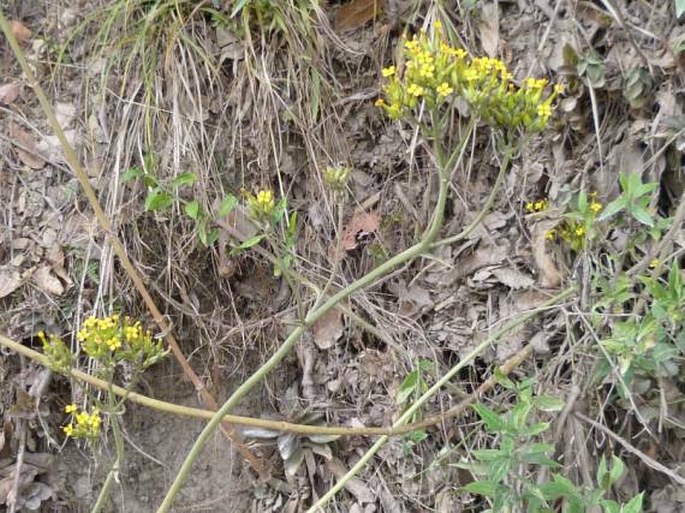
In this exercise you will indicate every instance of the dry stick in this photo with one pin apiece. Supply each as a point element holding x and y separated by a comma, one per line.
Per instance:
<point>105,224</point>
<point>438,385</point>
<point>650,462</point>
<point>274,425</point>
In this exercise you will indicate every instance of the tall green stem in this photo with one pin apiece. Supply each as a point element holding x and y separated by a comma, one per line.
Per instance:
<point>118,444</point>
<point>408,254</point>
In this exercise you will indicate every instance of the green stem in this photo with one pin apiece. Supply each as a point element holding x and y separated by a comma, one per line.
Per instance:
<point>432,391</point>
<point>106,488</point>
<point>118,444</point>
<point>406,255</point>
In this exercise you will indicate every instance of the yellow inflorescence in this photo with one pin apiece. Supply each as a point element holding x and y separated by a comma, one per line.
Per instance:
<point>113,338</point>
<point>433,71</point>
<point>574,232</point>
<point>262,204</point>
<point>83,424</point>
<point>59,355</point>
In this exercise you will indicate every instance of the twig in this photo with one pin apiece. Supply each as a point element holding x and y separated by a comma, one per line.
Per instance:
<point>273,425</point>
<point>633,450</point>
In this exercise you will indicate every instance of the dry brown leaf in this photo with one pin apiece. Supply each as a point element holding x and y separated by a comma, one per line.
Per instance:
<point>513,278</point>
<point>355,486</point>
<point>328,329</point>
<point>20,31</point>
<point>362,223</point>
<point>9,92</point>
<point>489,28</point>
<point>47,282</point>
<point>357,13</point>
<point>414,300</point>
<point>26,147</point>
<point>10,280</point>
<point>55,256</point>
<point>550,276</point>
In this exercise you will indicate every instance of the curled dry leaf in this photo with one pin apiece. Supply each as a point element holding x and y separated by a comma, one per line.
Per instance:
<point>26,147</point>
<point>47,282</point>
<point>10,280</point>
<point>361,224</point>
<point>550,276</point>
<point>489,28</point>
<point>9,92</point>
<point>20,31</point>
<point>328,329</point>
<point>357,13</point>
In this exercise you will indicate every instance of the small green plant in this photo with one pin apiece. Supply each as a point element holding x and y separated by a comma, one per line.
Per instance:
<point>414,386</point>
<point>579,225</point>
<point>292,448</point>
<point>652,345</point>
<point>110,342</point>
<point>505,474</point>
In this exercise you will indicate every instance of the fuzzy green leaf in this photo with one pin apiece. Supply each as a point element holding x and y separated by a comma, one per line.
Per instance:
<point>158,200</point>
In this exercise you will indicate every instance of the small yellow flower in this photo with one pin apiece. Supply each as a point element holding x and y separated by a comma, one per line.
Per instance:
<point>544,110</point>
<point>444,89</point>
<point>654,263</point>
<point>559,88</point>
<point>595,207</point>
<point>70,408</point>
<point>415,90</point>
<point>550,235</point>
<point>380,102</point>
<point>437,24</point>
<point>580,231</point>
<point>69,429</point>
<point>389,71</point>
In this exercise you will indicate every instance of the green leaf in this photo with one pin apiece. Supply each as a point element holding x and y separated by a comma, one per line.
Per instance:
<point>227,205</point>
<point>487,454</point>
<point>212,236</point>
<point>252,241</point>
<point>610,507</point>
<point>635,504</point>
<point>158,200</point>
<point>131,174</point>
<point>613,208</point>
<point>183,179</point>
<point>493,421</point>
<point>602,473</point>
<point>499,469</point>
<point>192,209</point>
<point>202,232</point>
<point>617,469</point>
<point>535,429</point>
<point>408,387</point>
<point>485,488</point>
<point>549,403</point>
<point>642,215</point>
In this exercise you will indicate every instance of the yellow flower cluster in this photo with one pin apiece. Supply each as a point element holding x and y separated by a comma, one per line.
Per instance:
<point>113,339</point>
<point>83,424</point>
<point>261,205</point>
<point>435,72</point>
<point>59,355</point>
<point>537,206</point>
<point>574,231</point>
<point>336,177</point>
